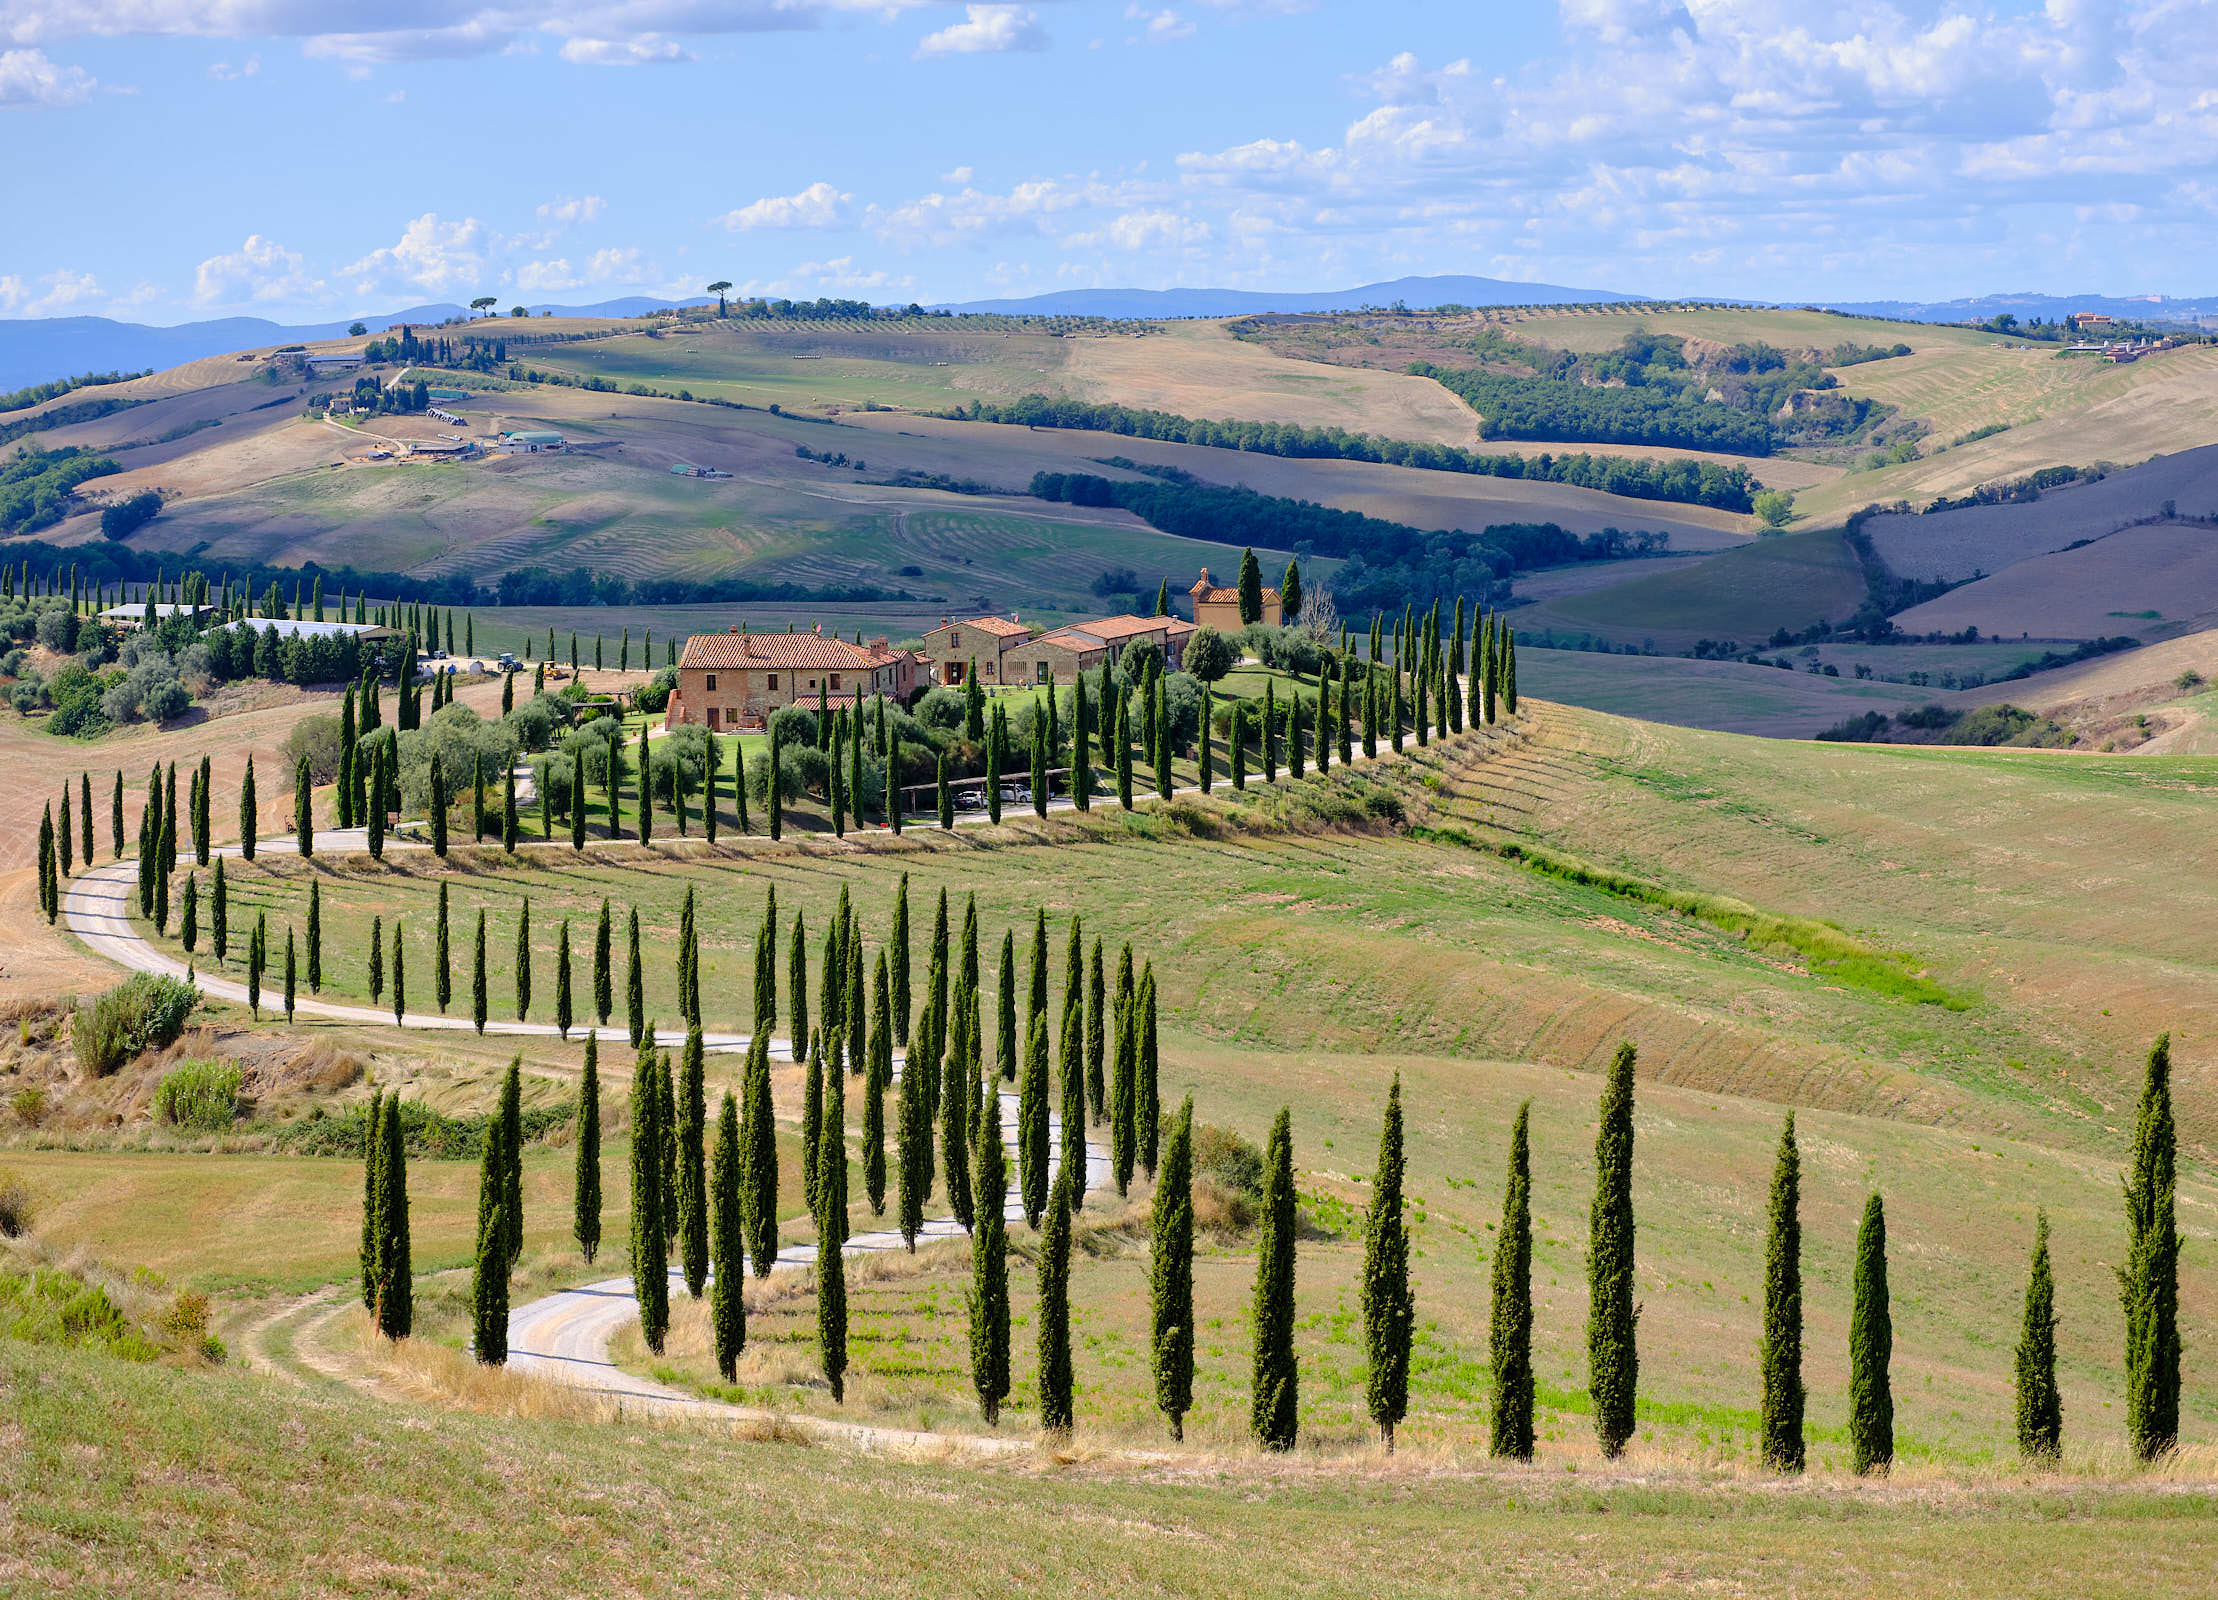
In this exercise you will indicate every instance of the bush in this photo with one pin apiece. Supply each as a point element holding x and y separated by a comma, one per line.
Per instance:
<point>941,708</point>
<point>16,1206</point>
<point>126,517</point>
<point>202,1096</point>
<point>424,1131</point>
<point>1233,1161</point>
<point>654,694</point>
<point>317,738</point>
<point>802,769</point>
<point>144,1012</point>
<point>1208,655</point>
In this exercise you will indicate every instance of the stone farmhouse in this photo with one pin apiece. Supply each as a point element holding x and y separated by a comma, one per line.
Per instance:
<point>1060,656</point>
<point>1220,608</point>
<point>949,649</point>
<point>734,680</point>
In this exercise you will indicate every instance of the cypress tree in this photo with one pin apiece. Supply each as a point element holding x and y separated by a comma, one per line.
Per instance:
<point>477,975</point>
<point>650,1248</point>
<point>395,1301</point>
<point>373,1155</point>
<point>1005,1009</point>
<point>1097,1024</point>
<point>759,1147</point>
<point>1124,1146</point>
<point>604,989</point>
<point>377,959</point>
<point>64,849</point>
<point>291,984</point>
<point>49,885</point>
<point>812,1121</point>
<point>797,987</point>
<point>711,777</point>
<point>997,740</point>
<point>1055,1378</point>
<point>400,976</point>
<point>957,1100</point>
<point>1071,1064</point>
<point>646,791</point>
<point>219,913</point>
<point>1039,761</point>
<point>585,1218</point>
<point>257,951</point>
<point>115,818</point>
<point>635,985</point>
<point>1148,1096</point>
<point>188,931</point>
<point>1206,758</point>
<point>851,1010</point>
<point>1160,732</point>
<point>1510,1334</point>
<point>1032,1122</point>
<point>2040,1405</point>
<point>1613,1357</point>
<point>508,808</point>
<point>911,1132</point>
<point>1268,731</point>
<point>1081,756</point>
<point>1871,1343</point>
<point>988,1299</point>
<point>489,1283</point>
<point>773,785</point>
<point>727,1309</point>
<point>439,805</point>
<point>304,824</point>
<point>577,800</point>
<point>1171,1276</point>
<point>376,801</point>
<point>246,811</point>
<point>1389,1307</point>
<point>897,957</point>
<point>442,965</point>
<point>1275,1378</point>
<point>1779,1353</point>
<point>563,1016</point>
<point>673,1162</point>
<point>831,1227</point>
<point>693,1199</point>
<point>2148,1284</point>
<point>874,1095</point>
<point>523,960</point>
<point>689,963</point>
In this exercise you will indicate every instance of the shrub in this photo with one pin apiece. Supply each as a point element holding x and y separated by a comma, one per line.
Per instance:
<point>424,1132</point>
<point>29,1105</point>
<point>317,738</point>
<point>1208,655</point>
<point>144,1012</point>
<point>1231,1160</point>
<point>16,1206</point>
<point>202,1096</point>
<point>2188,682</point>
<point>126,517</point>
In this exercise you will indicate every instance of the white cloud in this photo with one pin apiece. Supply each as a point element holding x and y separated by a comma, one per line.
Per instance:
<point>646,50</point>
<point>986,29</point>
<point>260,270</point>
<point>431,255</point>
<point>65,291</point>
<point>224,71</point>
<point>1143,230</point>
<point>620,265</point>
<point>1161,27</point>
<point>969,213</point>
<point>28,81</point>
<point>546,277</point>
<point>818,206</point>
<point>563,209</point>
<point>598,32</point>
<point>959,175</point>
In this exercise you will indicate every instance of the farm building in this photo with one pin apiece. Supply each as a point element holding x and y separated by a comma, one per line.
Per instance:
<point>134,616</point>
<point>1220,608</point>
<point>531,441</point>
<point>736,679</point>
<point>1060,656</point>
<point>686,469</point>
<point>950,648</point>
<point>299,628</point>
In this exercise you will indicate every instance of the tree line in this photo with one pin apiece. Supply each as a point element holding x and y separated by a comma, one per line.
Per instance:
<point>1685,480</point>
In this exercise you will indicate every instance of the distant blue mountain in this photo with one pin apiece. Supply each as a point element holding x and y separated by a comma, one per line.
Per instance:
<point>1414,292</point>
<point>34,349</point>
<point>2047,307</point>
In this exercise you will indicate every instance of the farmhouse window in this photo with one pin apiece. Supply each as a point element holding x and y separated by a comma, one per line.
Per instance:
<point>954,638</point>
<point>712,680</point>
<point>1044,671</point>
<point>835,682</point>
<point>773,680</point>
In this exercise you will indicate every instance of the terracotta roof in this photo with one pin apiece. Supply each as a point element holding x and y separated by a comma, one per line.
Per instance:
<point>1113,629</point>
<point>1073,638</point>
<point>997,625</point>
<point>1227,597</point>
<point>788,651</point>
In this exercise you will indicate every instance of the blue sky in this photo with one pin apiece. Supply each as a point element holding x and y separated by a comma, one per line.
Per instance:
<point>176,159</point>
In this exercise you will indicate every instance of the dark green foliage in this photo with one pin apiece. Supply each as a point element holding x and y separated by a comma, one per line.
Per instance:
<point>650,1247</point>
<point>874,1096</point>
<point>1071,1064</point>
<point>442,964</point>
<point>304,821</point>
<point>1613,1358</point>
<point>1275,1380</point>
<point>523,960</point>
<point>2040,1404</point>
<point>1171,1276</point>
<point>291,980</point>
<point>1053,1314</point>
<point>585,1218</point>
<point>1389,1306</point>
<point>1032,1176</point>
<point>831,1226</point>
<point>689,963</point>
<point>510,1115</point>
<point>897,948</point>
<point>477,974</point>
<point>1005,1010</point>
<point>1124,1144</point>
<point>373,1153</point>
<point>2148,1283</point>
<point>1148,1095</point>
<point>393,1293</point>
<point>400,974</point>
<point>1871,1344</point>
<point>693,1200</point>
<point>1251,589</point>
<point>766,967</point>
<point>912,1134</point>
<point>489,1282</point>
<point>812,1120</point>
<point>1779,1351</point>
<point>563,1016</point>
<point>988,1298</point>
<point>635,984</point>
<point>797,988</point>
<point>759,1158</point>
<point>1510,1331</point>
<point>604,991</point>
<point>1097,1042</point>
<point>727,1310</point>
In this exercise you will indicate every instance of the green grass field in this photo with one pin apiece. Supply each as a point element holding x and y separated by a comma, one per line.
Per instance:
<point>1790,581</point>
